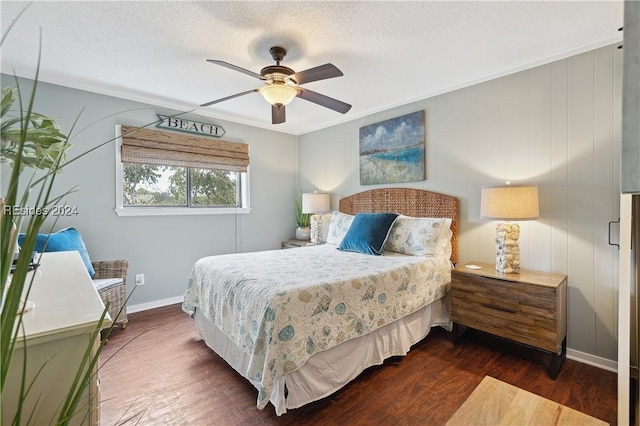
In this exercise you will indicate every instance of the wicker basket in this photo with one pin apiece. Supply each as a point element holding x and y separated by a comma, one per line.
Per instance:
<point>115,295</point>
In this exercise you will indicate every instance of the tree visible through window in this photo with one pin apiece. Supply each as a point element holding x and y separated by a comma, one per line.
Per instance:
<point>166,186</point>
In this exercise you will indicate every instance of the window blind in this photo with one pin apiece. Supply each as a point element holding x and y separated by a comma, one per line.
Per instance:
<point>147,146</point>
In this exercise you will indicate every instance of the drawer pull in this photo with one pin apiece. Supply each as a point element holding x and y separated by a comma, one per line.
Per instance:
<point>499,308</point>
<point>610,223</point>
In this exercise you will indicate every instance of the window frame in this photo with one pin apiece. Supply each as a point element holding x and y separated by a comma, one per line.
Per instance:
<point>122,210</point>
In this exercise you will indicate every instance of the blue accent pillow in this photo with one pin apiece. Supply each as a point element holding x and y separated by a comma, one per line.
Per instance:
<point>68,239</point>
<point>368,233</point>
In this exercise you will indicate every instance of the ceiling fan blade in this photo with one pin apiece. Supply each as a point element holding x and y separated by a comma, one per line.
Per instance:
<point>236,68</point>
<point>322,72</point>
<point>277,114</point>
<point>323,100</point>
<point>229,97</point>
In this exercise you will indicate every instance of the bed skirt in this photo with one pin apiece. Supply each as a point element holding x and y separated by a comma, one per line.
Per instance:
<point>326,372</point>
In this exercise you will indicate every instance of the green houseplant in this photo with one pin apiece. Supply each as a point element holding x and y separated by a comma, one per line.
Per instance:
<point>303,220</point>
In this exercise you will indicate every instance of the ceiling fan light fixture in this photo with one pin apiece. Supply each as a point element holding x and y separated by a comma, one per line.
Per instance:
<point>289,81</point>
<point>281,85</point>
<point>278,93</point>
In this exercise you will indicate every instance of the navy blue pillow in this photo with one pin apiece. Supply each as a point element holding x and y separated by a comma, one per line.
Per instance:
<point>68,239</point>
<point>368,233</point>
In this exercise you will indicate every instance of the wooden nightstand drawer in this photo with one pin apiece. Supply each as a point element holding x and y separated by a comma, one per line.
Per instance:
<point>527,300</point>
<point>528,308</point>
<point>507,322</point>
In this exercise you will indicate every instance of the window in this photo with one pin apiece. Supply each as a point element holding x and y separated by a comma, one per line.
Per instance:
<point>163,186</point>
<point>170,173</point>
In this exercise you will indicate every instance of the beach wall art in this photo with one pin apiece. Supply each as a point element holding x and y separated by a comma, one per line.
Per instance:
<point>392,151</point>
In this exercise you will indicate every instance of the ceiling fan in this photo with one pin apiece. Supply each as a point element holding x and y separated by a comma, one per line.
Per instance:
<point>282,84</point>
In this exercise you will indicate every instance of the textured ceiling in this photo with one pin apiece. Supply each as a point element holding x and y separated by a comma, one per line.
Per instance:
<point>390,52</point>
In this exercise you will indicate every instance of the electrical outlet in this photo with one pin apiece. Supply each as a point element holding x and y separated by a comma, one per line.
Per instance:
<point>139,279</point>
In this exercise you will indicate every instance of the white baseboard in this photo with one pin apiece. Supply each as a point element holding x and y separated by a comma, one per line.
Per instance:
<point>585,358</point>
<point>155,304</point>
<point>596,361</point>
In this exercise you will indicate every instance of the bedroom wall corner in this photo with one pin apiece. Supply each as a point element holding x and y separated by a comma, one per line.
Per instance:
<point>555,125</point>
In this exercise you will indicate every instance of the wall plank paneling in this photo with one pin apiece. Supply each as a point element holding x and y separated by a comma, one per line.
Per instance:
<point>607,204</point>
<point>539,153</point>
<point>581,207</point>
<point>556,126</point>
<point>557,193</point>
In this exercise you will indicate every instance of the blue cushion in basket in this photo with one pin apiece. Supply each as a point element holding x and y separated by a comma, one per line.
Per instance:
<point>68,239</point>
<point>368,233</point>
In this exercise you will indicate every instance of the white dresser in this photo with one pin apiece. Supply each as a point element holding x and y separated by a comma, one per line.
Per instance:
<point>58,331</point>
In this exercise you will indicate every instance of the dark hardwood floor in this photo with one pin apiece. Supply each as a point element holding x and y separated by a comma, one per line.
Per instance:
<point>160,373</point>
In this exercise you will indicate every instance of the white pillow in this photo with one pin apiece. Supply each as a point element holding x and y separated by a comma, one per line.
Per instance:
<point>338,227</point>
<point>421,236</point>
<point>444,239</point>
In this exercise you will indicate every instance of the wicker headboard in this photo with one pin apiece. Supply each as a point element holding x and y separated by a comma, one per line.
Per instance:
<point>407,201</point>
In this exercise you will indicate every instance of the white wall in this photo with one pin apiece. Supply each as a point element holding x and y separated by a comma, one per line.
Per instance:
<point>163,248</point>
<point>557,126</point>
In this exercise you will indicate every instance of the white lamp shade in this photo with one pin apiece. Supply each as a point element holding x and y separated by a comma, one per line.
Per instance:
<point>315,203</point>
<point>510,202</point>
<point>278,93</point>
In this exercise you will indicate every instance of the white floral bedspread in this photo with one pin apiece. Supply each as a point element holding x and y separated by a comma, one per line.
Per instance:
<point>282,306</point>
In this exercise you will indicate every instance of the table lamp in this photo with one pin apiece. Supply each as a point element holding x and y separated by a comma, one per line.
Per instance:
<point>510,203</point>
<point>315,203</point>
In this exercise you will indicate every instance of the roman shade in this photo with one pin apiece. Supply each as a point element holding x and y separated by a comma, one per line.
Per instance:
<point>147,146</point>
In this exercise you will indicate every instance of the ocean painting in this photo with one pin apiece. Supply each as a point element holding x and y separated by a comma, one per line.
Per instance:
<point>392,151</point>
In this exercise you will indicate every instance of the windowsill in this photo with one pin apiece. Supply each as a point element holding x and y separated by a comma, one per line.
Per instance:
<point>179,211</point>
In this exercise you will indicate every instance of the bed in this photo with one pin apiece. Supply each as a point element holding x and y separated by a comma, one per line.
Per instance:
<point>299,324</point>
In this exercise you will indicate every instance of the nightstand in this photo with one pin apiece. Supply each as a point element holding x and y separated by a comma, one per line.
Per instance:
<point>287,244</point>
<point>529,308</point>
